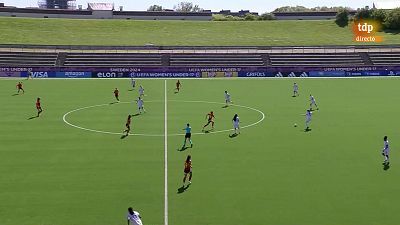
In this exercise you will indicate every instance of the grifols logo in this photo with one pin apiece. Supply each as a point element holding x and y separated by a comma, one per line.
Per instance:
<point>366,30</point>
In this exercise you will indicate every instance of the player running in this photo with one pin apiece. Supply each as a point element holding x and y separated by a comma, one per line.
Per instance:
<point>188,170</point>
<point>211,118</point>
<point>227,98</point>
<point>188,136</point>
<point>38,107</point>
<point>20,88</point>
<point>178,86</point>
<point>116,94</point>
<point>308,119</point>
<point>295,90</point>
<point>385,150</point>
<point>141,91</point>
<point>134,217</point>
<point>128,125</point>
<point>140,105</point>
<point>313,102</point>
<point>133,83</point>
<point>236,123</point>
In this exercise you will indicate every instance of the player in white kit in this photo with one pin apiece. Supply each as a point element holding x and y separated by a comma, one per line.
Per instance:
<point>140,105</point>
<point>385,150</point>
<point>295,90</point>
<point>227,98</point>
<point>236,122</point>
<point>134,217</point>
<point>141,91</point>
<point>308,119</point>
<point>313,102</point>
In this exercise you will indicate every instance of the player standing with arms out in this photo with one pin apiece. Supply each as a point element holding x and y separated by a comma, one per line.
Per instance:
<point>128,125</point>
<point>236,123</point>
<point>38,107</point>
<point>116,94</point>
<point>295,90</point>
<point>20,88</point>
<point>227,98</point>
<point>188,136</point>
<point>140,105</point>
<point>178,86</point>
<point>313,102</point>
<point>385,150</point>
<point>134,217</point>
<point>141,91</point>
<point>188,170</point>
<point>211,118</point>
<point>308,119</point>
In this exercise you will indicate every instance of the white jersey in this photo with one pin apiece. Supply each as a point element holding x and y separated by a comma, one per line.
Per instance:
<point>133,83</point>
<point>134,218</point>
<point>227,96</point>
<point>140,103</point>
<point>141,90</point>
<point>308,115</point>
<point>386,147</point>
<point>236,122</point>
<point>295,87</point>
<point>312,99</point>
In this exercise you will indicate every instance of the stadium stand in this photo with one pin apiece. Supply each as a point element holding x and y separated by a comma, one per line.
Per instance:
<point>112,59</point>
<point>216,60</point>
<point>74,56</point>
<point>385,58</point>
<point>27,59</point>
<point>316,59</point>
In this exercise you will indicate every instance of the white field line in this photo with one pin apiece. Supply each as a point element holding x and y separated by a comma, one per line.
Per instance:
<point>165,155</point>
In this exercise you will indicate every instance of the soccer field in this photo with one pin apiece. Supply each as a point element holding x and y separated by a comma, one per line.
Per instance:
<point>274,173</point>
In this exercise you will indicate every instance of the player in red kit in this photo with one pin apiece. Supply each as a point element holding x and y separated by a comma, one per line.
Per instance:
<point>211,118</point>
<point>38,107</point>
<point>128,125</point>
<point>116,94</point>
<point>178,86</point>
<point>20,88</point>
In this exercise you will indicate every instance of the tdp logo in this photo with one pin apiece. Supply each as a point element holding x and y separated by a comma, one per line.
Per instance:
<point>365,27</point>
<point>365,31</point>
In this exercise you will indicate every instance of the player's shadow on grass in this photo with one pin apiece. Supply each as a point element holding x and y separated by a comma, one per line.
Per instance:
<point>15,94</point>
<point>386,166</point>
<point>32,117</point>
<point>307,130</point>
<point>136,114</point>
<point>112,103</point>
<point>131,89</point>
<point>224,107</point>
<point>176,92</point>
<point>124,136</point>
<point>183,189</point>
<point>233,135</point>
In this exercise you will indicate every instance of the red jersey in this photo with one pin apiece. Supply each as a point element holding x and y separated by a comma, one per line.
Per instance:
<point>37,104</point>
<point>116,92</point>
<point>188,166</point>
<point>210,116</point>
<point>128,122</point>
<point>19,86</point>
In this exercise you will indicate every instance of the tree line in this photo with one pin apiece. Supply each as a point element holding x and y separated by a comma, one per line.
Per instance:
<point>388,19</point>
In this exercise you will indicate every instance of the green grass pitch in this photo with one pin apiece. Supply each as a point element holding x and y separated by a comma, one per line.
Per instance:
<point>178,33</point>
<point>272,173</point>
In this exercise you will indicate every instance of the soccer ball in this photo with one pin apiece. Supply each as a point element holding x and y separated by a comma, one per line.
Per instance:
<point>295,125</point>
